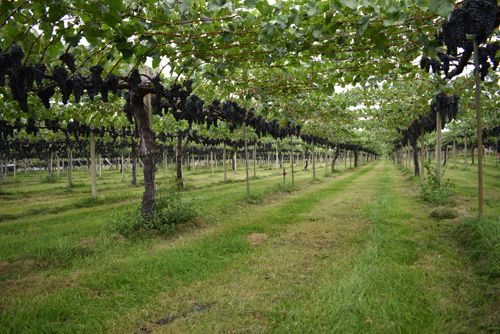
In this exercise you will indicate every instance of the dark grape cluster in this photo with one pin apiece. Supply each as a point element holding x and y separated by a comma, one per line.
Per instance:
<point>96,82</point>
<point>68,59</point>
<point>21,79</point>
<point>134,79</point>
<point>446,106</point>
<point>476,18</point>
<point>492,132</point>
<point>159,93</point>
<point>6,130</point>
<point>41,148</point>
<point>78,87</point>
<point>178,99</point>
<point>19,76</point>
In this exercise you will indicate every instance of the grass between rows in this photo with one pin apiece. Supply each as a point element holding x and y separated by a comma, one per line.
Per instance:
<point>366,259</point>
<point>124,276</point>
<point>357,254</point>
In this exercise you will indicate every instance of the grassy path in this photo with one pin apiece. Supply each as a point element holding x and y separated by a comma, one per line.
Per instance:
<point>366,259</point>
<point>355,253</point>
<point>119,276</point>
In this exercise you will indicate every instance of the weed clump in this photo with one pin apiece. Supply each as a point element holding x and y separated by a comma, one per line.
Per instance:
<point>434,190</point>
<point>171,210</point>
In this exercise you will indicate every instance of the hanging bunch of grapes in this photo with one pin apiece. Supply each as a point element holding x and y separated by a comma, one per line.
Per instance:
<point>472,20</point>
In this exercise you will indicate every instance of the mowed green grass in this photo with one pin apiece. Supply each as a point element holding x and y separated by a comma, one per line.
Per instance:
<point>352,253</point>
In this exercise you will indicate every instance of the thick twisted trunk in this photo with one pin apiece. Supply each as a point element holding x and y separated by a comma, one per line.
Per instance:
<point>146,151</point>
<point>334,158</point>
<point>179,154</point>
<point>415,158</point>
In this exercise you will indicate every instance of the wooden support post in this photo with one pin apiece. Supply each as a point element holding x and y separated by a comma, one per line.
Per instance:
<point>235,160</point>
<point>70,168</point>
<point>246,158</point>
<point>93,165</point>
<point>211,160</point>
<point>100,166</point>
<point>408,154</point>
<point>123,168</point>
<point>422,153</point>
<point>254,159</point>
<point>465,152</point>
<point>479,130</point>
<point>291,161</point>
<point>224,158</point>
<point>454,152</point>
<point>277,156</point>
<point>326,165</point>
<point>179,153</point>
<point>51,164</point>
<point>438,146</point>
<point>165,163</point>
<point>314,162</point>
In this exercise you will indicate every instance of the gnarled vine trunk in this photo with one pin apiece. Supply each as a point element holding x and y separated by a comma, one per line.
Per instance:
<point>416,167</point>
<point>356,158</point>
<point>146,149</point>
<point>334,158</point>
<point>179,153</point>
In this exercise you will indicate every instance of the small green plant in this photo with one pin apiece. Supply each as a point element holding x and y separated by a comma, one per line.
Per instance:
<point>288,188</point>
<point>435,190</point>
<point>47,179</point>
<point>125,222</point>
<point>255,198</point>
<point>171,210</point>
